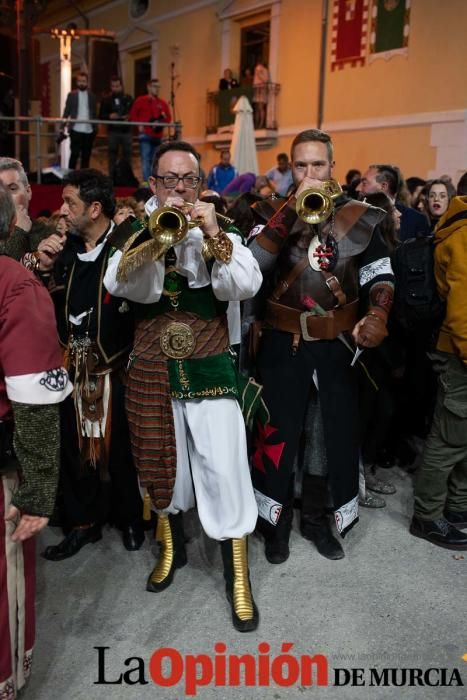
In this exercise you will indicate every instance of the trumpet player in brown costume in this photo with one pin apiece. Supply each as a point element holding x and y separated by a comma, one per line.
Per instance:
<point>331,289</point>
<point>187,429</point>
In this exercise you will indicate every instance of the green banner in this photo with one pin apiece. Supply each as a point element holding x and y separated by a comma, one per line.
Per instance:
<point>390,26</point>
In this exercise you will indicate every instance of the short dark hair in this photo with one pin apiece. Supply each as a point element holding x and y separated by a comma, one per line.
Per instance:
<point>82,74</point>
<point>142,194</point>
<point>313,135</point>
<point>462,186</point>
<point>7,212</point>
<point>282,156</point>
<point>173,146</point>
<point>93,186</point>
<point>390,174</point>
<point>352,174</point>
<point>225,150</point>
<point>414,182</point>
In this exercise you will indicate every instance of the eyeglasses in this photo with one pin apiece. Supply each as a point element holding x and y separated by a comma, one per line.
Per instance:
<point>171,181</point>
<point>437,195</point>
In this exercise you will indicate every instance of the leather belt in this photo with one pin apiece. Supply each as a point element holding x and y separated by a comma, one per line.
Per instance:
<point>308,325</point>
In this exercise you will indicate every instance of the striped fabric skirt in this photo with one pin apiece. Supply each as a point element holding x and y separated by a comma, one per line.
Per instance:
<point>17,593</point>
<point>152,432</point>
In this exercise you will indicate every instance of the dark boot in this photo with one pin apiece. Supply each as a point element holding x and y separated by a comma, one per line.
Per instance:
<point>245,616</point>
<point>314,521</point>
<point>73,542</point>
<point>133,536</point>
<point>439,532</point>
<point>172,555</point>
<point>276,540</point>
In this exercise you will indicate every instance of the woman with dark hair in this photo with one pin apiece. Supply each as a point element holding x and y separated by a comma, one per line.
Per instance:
<point>377,408</point>
<point>440,194</point>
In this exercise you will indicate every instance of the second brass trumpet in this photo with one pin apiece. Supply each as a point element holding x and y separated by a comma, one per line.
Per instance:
<point>315,205</point>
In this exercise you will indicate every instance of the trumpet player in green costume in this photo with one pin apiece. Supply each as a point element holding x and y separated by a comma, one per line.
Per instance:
<point>180,269</point>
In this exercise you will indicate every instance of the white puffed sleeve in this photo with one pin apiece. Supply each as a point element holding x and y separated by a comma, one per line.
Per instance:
<point>239,279</point>
<point>143,286</point>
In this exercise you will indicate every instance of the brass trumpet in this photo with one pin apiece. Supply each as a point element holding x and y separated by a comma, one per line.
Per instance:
<point>315,205</point>
<point>168,226</point>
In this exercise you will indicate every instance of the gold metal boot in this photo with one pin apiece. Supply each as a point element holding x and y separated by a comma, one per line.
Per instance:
<point>245,616</point>
<point>169,535</point>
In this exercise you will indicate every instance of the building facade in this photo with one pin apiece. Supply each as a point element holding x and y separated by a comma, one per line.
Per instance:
<point>409,108</point>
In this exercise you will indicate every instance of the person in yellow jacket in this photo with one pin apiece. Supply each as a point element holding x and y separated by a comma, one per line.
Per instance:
<point>440,511</point>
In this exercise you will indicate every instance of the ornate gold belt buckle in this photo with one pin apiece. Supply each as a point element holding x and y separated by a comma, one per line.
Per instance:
<point>178,341</point>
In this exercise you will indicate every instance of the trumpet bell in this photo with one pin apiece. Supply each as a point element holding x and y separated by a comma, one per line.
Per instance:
<point>168,226</point>
<point>316,205</point>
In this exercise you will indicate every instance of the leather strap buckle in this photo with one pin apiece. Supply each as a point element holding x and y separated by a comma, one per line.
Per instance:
<point>330,281</point>
<point>304,327</point>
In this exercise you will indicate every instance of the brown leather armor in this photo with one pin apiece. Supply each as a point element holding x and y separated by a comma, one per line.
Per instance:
<point>353,227</point>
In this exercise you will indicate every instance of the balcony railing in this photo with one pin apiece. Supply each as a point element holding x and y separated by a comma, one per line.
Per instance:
<point>220,104</point>
<point>43,145</point>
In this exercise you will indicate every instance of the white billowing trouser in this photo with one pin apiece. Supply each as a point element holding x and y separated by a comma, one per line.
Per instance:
<point>210,436</point>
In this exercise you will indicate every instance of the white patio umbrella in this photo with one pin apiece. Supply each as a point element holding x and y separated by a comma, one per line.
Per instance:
<point>243,147</point>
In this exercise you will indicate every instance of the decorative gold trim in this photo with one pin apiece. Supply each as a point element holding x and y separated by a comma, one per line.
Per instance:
<point>219,246</point>
<point>166,556</point>
<point>133,259</point>
<point>213,391</point>
<point>242,598</point>
<point>258,389</point>
<point>183,376</point>
<point>147,502</point>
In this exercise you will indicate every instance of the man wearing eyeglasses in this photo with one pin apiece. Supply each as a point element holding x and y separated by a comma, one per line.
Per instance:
<point>187,429</point>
